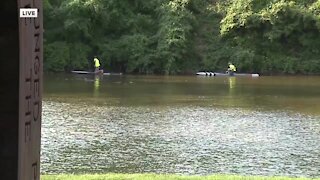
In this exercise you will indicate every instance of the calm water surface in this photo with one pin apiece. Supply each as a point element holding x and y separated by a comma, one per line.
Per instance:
<point>182,125</point>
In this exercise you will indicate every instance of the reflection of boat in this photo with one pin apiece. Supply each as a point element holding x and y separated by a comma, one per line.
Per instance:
<point>225,74</point>
<point>232,83</point>
<point>96,85</point>
<point>96,73</point>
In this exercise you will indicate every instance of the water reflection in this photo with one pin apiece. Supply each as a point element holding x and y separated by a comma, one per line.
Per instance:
<point>187,125</point>
<point>231,99</point>
<point>182,140</point>
<point>96,85</point>
<point>232,82</point>
<point>264,93</point>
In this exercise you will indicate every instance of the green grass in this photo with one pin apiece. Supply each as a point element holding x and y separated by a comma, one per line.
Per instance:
<point>161,177</point>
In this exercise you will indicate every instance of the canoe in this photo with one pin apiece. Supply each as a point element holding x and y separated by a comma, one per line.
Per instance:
<point>95,73</point>
<point>225,74</point>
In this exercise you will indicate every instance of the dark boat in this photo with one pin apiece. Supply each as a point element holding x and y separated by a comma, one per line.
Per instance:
<point>100,72</point>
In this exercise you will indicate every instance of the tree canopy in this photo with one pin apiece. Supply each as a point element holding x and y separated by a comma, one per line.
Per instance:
<point>181,36</point>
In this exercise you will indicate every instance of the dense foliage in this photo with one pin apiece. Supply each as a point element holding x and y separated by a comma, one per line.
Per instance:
<point>179,36</point>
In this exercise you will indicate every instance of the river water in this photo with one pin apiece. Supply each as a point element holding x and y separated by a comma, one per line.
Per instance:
<point>182,125</point>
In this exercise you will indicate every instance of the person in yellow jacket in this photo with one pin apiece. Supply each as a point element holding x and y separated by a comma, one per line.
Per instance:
<point>231,69</point>
<point>96,64</point>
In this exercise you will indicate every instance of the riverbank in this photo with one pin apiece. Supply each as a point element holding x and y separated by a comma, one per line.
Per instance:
<point>161,177</point>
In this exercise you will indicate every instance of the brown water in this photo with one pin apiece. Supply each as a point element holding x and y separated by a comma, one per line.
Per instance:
<point>181,125</point>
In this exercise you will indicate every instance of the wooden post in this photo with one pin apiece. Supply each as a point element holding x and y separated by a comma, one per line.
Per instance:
<point>21,61</point>
<point>30,33</point>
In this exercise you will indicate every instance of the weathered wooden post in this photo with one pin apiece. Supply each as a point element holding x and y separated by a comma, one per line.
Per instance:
<point>20,94</point>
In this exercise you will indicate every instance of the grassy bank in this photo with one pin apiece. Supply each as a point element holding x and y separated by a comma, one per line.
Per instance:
<point>161,177</point>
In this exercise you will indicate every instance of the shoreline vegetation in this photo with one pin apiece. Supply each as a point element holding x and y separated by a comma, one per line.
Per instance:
<point>162,177</point>
<point>183,36</point>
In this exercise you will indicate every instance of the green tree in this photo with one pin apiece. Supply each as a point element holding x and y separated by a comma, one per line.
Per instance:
<point>178,36</point>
